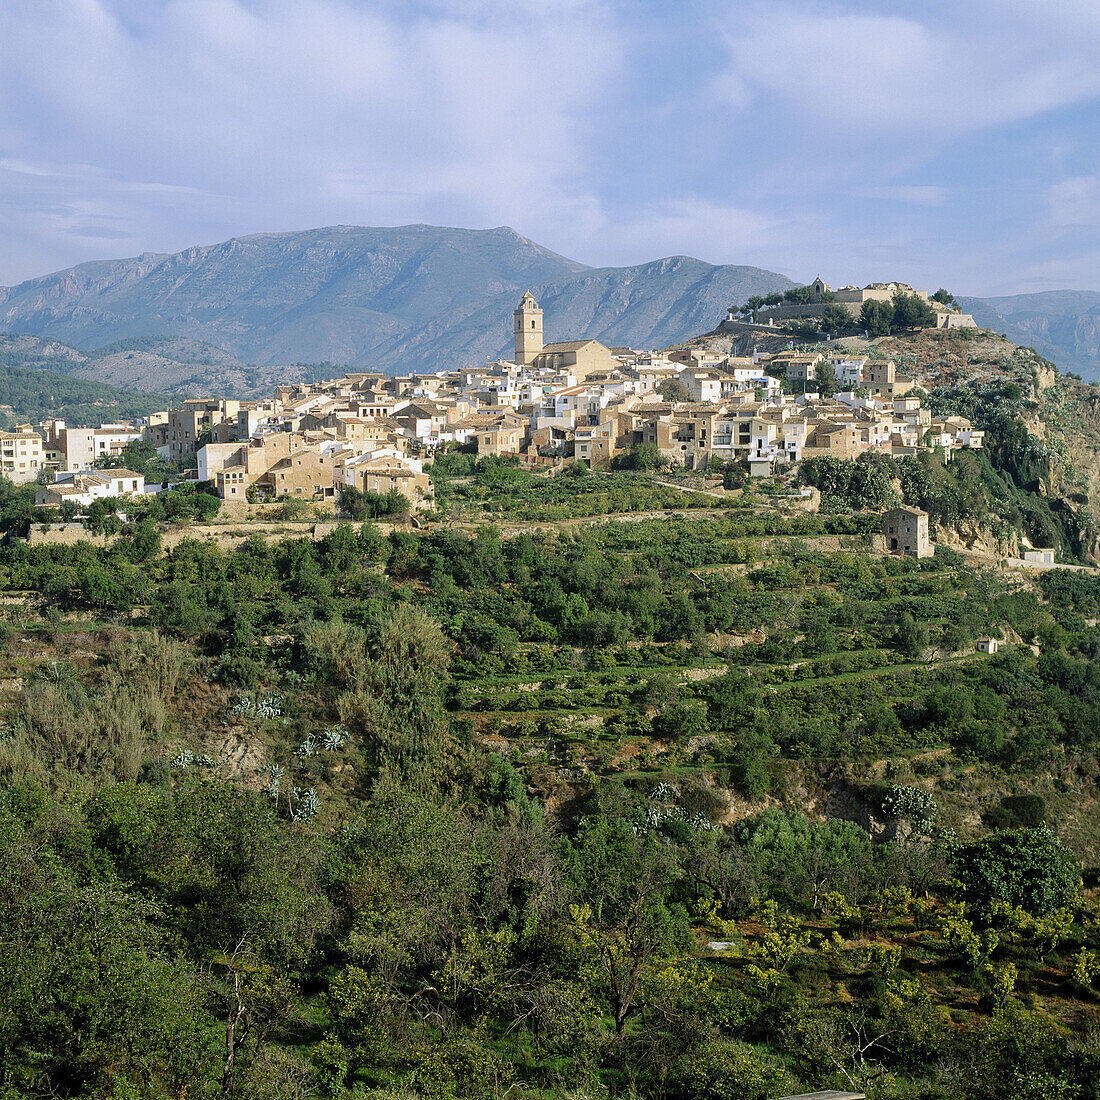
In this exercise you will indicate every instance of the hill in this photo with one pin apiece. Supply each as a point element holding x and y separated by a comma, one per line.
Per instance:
<point>32,388</point>
<point>408,298</point>
<point>161,364</point>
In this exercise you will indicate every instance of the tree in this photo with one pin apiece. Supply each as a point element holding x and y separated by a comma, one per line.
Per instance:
<point>672,389</point>
<point>622,922</point>
<point>755,304</point>
<point>806,858</point>
<point>835,318</point>
<point>826,381</point>
<point>718,1070</point>
<point>87,1003</point>
<point>255,997</point>
<point>800,295</point>
<point>395,705</point>
<point>945,297</point>
<point>911,637</point>
<point>911,311</point>
<point>681,722</point>
<point>773,299</point>
<point>1025,867</point>
<point>876,318</point>
<point>359,504</point>
<point>206,506</point>
<point>644,456</point>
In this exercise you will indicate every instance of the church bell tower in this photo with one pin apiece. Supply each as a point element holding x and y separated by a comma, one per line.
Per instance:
<point>528,329</point>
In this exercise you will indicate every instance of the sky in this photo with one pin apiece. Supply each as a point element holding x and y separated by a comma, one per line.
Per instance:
<point>939,143</point>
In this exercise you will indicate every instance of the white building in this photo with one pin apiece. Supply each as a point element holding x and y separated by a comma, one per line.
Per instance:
<point>22,454</point>
<point>83,488</point>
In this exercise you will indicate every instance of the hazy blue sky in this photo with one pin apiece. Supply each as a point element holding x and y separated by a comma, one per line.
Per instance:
<point>938,142</point>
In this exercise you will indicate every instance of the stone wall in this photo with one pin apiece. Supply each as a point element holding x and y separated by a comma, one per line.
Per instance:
<point>226,535</point>
<point>65,534</point>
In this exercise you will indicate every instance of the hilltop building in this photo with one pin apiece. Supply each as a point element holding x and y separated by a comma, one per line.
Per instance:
<point>83,488</point>
<point>22,454</point>
<point>852,298</point>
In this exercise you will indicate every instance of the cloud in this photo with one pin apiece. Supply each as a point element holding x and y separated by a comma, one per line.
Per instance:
<point>304,112</point>
<point>1075,202</point>
<point>802,135</point>
<point>688,225</point>
<point>918,195</point>
<point>908,76</point>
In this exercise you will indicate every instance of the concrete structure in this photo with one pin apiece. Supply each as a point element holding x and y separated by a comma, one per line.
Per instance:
<point>798,367</point>
<point>575,359</point>
<point>1040,557</point>
<point>186,425</point>
<point>211,459</point>
<point>987,645</point>
<point>81,448</point>
<point>381,472</point>
<point>906,532</point>
<point>852,298</point>
<point>22,454</point>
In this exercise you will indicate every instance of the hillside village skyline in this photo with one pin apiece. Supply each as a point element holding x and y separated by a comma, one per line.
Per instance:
<point>571,400</point>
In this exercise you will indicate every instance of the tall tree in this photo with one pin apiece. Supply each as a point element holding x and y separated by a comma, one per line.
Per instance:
<point>396,708</point>
<point>876,318</point>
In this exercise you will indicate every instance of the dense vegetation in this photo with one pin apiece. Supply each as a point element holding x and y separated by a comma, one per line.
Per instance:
<point>986,491</point>
<point>652,790</point>
<point>460,814</point>
<point>36,395</point>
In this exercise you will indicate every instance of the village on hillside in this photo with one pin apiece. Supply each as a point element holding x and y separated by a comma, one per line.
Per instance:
<point>550,404</point>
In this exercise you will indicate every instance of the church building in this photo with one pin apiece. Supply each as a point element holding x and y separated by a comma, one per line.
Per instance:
<point>576,357</point>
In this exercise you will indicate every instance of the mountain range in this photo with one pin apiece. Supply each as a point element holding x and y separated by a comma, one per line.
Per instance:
<point>237,316</point>
<point>409,298</point>
<point>1061,325</point>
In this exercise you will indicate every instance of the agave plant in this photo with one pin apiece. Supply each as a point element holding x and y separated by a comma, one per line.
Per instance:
<point>54,671</point>
<point>243,706</point>
<point>270,706</point>
<point>183,759</point>
<point>332,737</point>
<point>307,748</point>
<point>305,804</point>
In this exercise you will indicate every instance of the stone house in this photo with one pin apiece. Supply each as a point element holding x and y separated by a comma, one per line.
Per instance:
<point>1039,557</point>
<point>906,532</point>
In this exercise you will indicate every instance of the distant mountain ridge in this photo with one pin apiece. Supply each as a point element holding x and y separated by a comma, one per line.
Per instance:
<point>251,310</point>
<point>407,298</point>
<point>1062,325</point>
